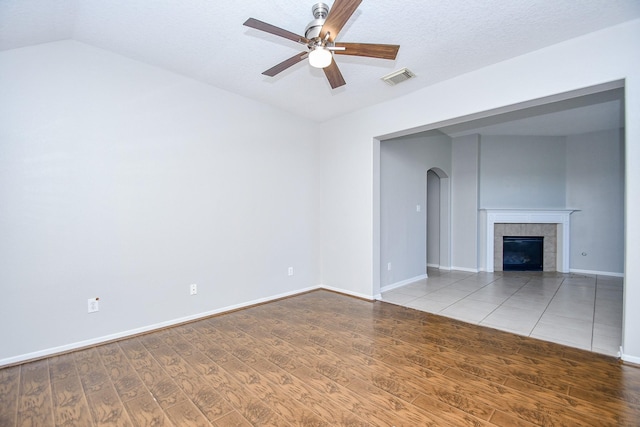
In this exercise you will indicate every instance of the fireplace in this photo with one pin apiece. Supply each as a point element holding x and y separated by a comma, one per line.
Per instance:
<point>522,253</point>
<point>553,225</point>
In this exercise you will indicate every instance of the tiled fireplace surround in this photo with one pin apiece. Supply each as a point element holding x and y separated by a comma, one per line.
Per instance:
<point>548,231</point>
<point>553,225</point>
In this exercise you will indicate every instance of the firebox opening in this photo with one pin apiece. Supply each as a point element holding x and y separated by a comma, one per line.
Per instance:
<point>522,253</point>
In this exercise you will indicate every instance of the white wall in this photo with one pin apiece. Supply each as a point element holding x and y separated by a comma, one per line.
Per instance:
<point>595,186</point>
<point>128,183</point>
<point>404,163</point>
<point>522,172</point>
<point>349,148</point>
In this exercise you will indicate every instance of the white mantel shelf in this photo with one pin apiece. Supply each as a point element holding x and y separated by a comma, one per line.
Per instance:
<point>534,216</point>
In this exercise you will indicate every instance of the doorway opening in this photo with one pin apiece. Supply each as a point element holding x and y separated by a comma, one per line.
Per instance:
<point>472,136</point>
<point>437,219</point>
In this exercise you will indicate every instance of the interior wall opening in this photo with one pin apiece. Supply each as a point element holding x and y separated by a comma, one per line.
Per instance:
<point>583,120</point>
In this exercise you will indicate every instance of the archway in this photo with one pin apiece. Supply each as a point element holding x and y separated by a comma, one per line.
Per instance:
<point>438,214</point>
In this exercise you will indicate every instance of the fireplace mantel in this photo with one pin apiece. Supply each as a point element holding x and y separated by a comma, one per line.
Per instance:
<point>523,216</point>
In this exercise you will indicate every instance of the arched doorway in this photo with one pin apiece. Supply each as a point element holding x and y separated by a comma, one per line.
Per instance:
<point>433,219</point>
<point>437,239</point>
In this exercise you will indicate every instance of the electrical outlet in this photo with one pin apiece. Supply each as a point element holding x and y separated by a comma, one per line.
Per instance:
<point>388,266</point>
<point>92,305</point>
<point>193,289</point>
<point>290,271</point>
<point>418,208</point>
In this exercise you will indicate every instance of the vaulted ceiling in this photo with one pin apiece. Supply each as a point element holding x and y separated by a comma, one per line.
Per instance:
<point>205,40</point>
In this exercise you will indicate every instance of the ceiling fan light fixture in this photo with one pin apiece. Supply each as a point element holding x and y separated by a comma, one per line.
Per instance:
<point>320,57</point>
<point>319,41</point>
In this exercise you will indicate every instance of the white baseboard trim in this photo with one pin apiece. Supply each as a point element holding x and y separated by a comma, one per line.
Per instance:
<point>628,358</point>
<point>596,273</point>
<point>441,267</point>
<point>137,331</point>
<point>433,266</point>
<point>402,283</point>
<point>353,294</point>
<point>466,269</point>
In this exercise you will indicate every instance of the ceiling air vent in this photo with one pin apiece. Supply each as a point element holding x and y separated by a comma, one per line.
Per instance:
<point>398,76</point>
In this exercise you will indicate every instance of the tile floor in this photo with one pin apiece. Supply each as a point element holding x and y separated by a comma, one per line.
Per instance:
<point>577,310</point>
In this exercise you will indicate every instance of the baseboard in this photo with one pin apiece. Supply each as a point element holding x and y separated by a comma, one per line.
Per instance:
<point>402,283</point>
<point>628,358</point>
<point>441,267</point>
<point>157,326</point>
<point>596,273</point>
<point>352,294</point>
<point>465,269</point>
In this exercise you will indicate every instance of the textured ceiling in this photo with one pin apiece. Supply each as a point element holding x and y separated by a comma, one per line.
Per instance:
<point>205,40</point>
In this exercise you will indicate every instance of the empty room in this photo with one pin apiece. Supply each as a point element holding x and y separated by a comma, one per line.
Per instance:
<point>292,213</point>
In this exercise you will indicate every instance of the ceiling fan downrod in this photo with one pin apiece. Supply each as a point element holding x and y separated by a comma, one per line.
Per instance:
<point>320,12</point>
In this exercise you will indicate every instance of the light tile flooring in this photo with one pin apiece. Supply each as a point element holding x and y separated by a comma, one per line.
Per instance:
<point>576,310</point>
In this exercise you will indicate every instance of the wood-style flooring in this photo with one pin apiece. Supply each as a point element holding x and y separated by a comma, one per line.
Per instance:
<point>323,359</point>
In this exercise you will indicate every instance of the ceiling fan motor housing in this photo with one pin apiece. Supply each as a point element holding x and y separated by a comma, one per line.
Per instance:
<point>320,12</point>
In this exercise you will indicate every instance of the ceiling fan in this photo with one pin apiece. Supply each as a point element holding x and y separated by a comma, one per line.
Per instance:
<point>319,38</point>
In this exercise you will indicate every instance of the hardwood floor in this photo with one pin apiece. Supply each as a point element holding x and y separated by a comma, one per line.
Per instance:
<point>323,359</point>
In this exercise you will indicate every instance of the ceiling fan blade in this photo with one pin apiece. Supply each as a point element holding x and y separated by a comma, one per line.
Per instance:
<point>383,51</point>
<point>271,72</point>
<point>334,75</point>
<point>272,29</point>
<point>339,14</point>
